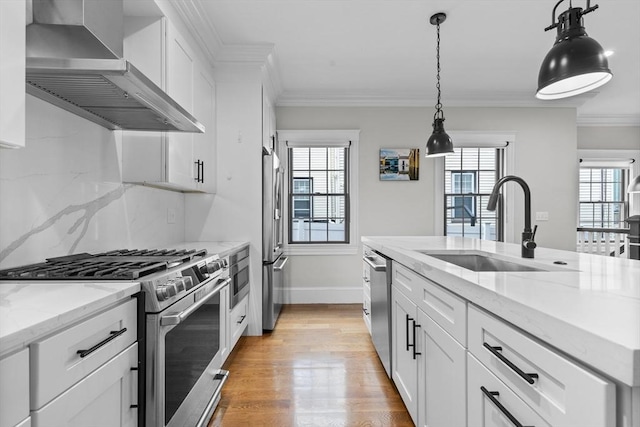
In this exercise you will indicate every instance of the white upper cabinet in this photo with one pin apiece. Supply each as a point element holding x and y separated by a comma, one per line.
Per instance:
<point>172,160</point>
<point>12,73</point>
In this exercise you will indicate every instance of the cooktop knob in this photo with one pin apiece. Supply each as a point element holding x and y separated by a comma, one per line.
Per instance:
<point>179,283</point>
<point>188,282</point>
<point>161,294</point>
<point>171,289</point>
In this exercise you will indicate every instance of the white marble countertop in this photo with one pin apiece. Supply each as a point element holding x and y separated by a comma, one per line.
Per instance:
<point>30,311</point>
<point>588,309</point>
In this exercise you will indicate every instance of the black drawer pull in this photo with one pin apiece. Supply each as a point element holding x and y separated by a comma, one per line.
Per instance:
<point>495,351</point>
<point>491,395</point>
<point>365,311</point>
<point>408,319</point>
<point>415,353</point>
<point>241,319</point>
<point>114,334</point>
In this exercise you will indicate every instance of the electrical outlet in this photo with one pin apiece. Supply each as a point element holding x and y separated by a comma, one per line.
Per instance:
<point>542,216</point>
<point>171,216</point>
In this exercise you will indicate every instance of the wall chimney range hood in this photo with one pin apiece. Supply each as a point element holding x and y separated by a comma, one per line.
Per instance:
<point>74,60</point>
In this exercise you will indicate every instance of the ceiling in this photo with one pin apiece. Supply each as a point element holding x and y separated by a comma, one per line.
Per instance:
<point>382,52</point>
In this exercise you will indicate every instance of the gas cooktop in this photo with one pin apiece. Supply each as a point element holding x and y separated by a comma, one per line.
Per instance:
<point>123,264</point>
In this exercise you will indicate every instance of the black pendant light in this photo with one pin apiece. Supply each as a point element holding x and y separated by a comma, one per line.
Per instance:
<point>439,143</point>
<point>576,63</point>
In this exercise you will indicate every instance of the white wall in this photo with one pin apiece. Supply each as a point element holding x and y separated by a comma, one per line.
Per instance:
<point>545,153</point>
<point>63,193</point>
<point>609,137</point>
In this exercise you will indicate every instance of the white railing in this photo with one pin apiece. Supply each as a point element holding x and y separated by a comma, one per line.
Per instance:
<point>604,241</point>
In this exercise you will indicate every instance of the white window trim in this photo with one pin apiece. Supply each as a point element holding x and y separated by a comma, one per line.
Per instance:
<point>612,157</point>
<point>480,139</point>
<point>325,138</point>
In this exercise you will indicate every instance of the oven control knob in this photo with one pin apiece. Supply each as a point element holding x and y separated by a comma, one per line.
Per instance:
<point>161,294</point>
<point>188,282</point>
<point>179,283</point>
<point>224,263</point>
<point>171,289</point>
<point>209,268</point>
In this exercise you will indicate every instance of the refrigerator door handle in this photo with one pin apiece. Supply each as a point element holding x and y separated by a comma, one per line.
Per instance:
<point>280,266</point>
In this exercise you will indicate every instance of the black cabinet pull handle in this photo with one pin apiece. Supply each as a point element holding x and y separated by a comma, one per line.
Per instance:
<point>492,397</point>
<point>199,171</point>
<point>202,175</point>
<point>495,351</point>
<point>241,319</point>
<point>114,335</point>
<point>408,319</point>
<point>365,311</point>
<point>415,353</point>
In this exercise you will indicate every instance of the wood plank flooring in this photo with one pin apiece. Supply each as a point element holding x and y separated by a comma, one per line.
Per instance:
<point>318,368</point>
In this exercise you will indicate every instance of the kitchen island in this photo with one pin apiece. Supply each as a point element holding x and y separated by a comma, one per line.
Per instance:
<point>585,308</point>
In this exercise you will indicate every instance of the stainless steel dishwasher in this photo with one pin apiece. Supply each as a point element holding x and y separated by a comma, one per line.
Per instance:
<point>380,282</point>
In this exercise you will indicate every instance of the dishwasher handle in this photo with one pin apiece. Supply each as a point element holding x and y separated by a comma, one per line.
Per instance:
<point>376,267</point>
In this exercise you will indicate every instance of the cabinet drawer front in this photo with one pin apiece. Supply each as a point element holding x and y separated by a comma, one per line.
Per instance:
<point>405,280</point>
<point>14,388</point>
<point>563,393</point>
<point>102,399</point>
<point>238,321</point>
<point>448,310</point>
<point>482,411</point>
<point>56,363</point>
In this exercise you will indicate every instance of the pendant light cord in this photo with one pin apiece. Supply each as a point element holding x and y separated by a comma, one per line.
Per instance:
<point>439,114</point>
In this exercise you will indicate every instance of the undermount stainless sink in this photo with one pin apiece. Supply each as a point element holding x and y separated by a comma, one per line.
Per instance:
<point>475,261</point>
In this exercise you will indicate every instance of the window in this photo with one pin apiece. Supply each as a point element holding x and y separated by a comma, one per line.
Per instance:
<point>321,166</point>
<point>320,194</point>
<point>602,197</point>
<point>469,176</point>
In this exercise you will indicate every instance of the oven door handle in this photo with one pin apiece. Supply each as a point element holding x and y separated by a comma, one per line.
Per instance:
<point>176,319</point>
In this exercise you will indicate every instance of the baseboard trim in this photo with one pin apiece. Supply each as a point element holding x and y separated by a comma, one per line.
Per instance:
<point>322,295</point>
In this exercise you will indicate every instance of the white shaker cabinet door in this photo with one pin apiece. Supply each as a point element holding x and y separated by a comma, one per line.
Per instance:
<point>181,69</point>
<point>442,376</point>
<point>404,367</point>
<point>105,398</point>
<point>12,73</point>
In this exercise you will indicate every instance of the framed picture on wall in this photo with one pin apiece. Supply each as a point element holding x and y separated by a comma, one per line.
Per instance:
<point>399,164</point>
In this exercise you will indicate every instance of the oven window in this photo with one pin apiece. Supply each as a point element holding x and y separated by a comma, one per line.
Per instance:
<point>189,348</point>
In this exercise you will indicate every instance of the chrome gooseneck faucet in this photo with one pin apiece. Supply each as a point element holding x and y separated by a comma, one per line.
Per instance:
<point>528,236</point>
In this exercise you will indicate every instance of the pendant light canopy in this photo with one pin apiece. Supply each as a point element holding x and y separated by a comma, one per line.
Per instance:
<point>439,143</point>
<point>576,63</point>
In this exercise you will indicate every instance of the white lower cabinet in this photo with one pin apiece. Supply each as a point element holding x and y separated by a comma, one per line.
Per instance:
<point>490,403</point>
<point>238,320</point>
<point>14,389</point>
<point>442,376</point>
<point>404,364</point>
<point>105,398</point>
<point>562,392</point>
<point>366,296</point>
<point>87,374</point>
<point>428,363</point>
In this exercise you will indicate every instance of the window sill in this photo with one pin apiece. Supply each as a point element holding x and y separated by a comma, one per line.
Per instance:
<point>321,249</point>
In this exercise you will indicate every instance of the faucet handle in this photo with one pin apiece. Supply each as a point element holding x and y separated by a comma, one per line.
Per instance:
<point>533,235</point>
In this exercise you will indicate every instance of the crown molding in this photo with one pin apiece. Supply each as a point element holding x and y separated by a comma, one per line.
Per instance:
<point>419,99</point>
<point>586,120</point>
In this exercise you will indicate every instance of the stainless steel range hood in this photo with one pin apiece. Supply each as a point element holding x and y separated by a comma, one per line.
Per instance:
<point>74,60</point>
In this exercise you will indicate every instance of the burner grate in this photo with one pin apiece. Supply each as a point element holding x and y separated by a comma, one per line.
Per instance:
<point>122,264</point>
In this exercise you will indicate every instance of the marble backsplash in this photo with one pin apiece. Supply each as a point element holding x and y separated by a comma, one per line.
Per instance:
<point>63,193</point>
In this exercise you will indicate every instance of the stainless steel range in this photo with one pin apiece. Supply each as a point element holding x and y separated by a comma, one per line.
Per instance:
<point>183,327</point>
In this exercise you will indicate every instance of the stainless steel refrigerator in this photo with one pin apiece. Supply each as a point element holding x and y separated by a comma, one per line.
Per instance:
<point>273,262</point>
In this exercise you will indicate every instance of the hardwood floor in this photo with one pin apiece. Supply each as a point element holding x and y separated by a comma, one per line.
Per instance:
<point>318,368</point>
